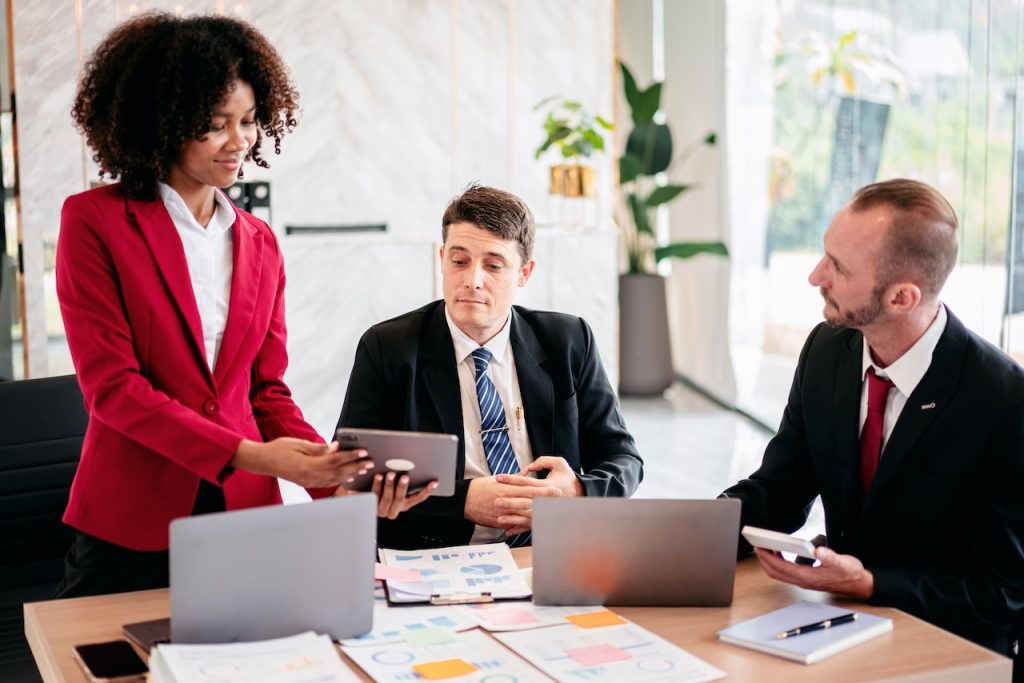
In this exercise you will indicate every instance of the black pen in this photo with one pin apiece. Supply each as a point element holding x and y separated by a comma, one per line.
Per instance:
<point>827,623</point>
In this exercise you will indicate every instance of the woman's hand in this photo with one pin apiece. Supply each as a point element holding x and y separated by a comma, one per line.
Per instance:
<point>306,463</point>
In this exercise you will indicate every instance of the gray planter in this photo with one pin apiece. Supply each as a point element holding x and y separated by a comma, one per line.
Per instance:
<point>645,354</point>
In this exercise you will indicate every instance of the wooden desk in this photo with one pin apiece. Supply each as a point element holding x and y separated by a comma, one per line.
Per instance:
<point>914,651</point>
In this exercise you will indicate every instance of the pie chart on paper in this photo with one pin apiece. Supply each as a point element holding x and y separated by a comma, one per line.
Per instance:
<point>481,569</point>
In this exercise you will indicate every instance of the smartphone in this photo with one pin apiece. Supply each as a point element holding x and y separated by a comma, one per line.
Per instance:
<point>112,662</point>
<point>773,540</point>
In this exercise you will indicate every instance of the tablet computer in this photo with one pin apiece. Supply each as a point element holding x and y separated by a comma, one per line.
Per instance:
<point>773,540</point>
<point>425,457</point>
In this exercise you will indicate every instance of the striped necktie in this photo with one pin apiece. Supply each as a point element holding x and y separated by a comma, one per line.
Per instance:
<point>494,430</point>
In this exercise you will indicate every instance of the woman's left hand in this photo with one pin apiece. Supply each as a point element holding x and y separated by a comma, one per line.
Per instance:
<point>392,491</point>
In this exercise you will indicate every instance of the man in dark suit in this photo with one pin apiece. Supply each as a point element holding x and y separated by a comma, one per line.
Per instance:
<point>523,390</point>
<point>909,427</point>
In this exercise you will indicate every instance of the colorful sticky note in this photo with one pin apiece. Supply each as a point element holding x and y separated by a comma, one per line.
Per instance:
<point>383,572</point>
<point>444,668</point>
<point>509,617</point>
<point>595,655</point>
<point>596,619</point>
<point>429,636</point>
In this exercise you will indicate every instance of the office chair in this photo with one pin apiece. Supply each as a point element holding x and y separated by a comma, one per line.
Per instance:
<point>42,423</point>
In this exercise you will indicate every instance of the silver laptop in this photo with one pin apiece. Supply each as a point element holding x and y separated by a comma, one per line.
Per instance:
<point>274,571</point>
<point>617,551</point>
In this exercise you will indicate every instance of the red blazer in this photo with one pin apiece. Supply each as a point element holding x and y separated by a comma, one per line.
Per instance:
<point>158,418</point>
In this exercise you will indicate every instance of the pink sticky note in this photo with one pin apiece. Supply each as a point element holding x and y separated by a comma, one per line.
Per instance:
<point>598,654</point>
<point>383,572</point>
<point>509,617</point>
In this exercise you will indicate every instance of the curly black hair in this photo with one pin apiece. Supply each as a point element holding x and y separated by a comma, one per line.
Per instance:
<point>153,83</point>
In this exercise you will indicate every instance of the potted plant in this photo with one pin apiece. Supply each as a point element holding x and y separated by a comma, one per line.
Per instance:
<point>576,133</point>
<point>645,352</point>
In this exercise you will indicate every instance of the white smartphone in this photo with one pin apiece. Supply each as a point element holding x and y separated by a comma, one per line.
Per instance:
<point>773,540</point>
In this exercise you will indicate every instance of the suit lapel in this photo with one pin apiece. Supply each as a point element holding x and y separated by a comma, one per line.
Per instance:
<point>441,377</point>
<point>846,411</point>
<point>535,387</point>
<point>158,230</point>
<point>925,404</point>
<point>247,259</point>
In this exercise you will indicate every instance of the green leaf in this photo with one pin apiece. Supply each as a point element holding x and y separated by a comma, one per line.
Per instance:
<point>650,101</point>
<point>711,139</point>
<point>594,138</point>
<point>629,168</point>
<point>553,137</point>
<point>546,100</point>
<point>636,205</point>
<point>629,87</point>
<point>604,123</point>
<point>572,105</point>
<point>688,249</point>
<point>651,144</point>
<point>665,194</point>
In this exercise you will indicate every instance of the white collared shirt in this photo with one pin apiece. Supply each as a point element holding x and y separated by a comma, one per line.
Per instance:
<point>502,372</point>
<point>208,252</point>
<point>906,373</point>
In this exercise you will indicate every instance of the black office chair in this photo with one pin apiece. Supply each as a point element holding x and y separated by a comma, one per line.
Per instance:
<point>42,422</point>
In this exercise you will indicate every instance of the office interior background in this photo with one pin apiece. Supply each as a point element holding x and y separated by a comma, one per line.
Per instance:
<point>405,102</point>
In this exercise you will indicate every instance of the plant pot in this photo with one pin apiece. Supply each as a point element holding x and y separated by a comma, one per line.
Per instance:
<point>645,353</point>
<point>572,180</point>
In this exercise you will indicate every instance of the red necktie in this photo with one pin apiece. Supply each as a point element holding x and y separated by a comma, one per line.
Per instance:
<point>874,428</point>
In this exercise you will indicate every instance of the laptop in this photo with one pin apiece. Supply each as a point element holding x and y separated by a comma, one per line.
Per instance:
<point>617,551</point>
<point>274,571</point>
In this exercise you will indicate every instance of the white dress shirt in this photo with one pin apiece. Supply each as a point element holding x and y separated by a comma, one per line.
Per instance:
<point>502,372</point>
<point>906,373</point>
<point>208,252</point>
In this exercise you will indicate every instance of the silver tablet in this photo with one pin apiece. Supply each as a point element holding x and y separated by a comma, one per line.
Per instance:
<point>424,457</point>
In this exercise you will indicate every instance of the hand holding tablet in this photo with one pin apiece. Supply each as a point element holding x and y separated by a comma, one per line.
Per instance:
<point>421,456</point>
<point>773,540</point>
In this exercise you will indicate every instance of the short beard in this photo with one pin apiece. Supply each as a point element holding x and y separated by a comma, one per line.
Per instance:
<point>857,318</point>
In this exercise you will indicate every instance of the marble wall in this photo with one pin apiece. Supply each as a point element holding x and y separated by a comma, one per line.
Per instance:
<point>404,103</point>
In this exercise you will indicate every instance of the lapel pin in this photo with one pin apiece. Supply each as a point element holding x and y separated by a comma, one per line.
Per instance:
<point>927,406</point>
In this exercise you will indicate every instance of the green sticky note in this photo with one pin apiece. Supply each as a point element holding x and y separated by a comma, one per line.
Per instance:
<point>429,636</point>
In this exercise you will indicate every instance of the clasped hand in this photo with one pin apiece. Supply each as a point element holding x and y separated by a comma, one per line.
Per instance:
<point>506,500</point>
<point>842,574</point>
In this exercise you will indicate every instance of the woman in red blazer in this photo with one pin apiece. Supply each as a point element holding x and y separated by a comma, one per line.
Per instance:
<point>180,356</point>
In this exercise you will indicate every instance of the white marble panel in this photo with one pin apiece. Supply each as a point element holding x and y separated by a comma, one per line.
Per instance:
<point>50,153</point>
<point>374,136</point>
<point>337,288</point>
<point>482,108</point>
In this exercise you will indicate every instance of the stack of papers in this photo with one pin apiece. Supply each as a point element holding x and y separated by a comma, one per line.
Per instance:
<point>460,572</point>
<point>305,658</point>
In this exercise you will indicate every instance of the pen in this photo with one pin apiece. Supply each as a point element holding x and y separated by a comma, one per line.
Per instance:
<point>520,413</point>
<point>827,623</point>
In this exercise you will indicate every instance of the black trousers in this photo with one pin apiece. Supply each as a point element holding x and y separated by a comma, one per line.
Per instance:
<point>95,567</point>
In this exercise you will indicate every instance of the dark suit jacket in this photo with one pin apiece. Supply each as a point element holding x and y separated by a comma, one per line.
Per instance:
<point>405,378</point>
<point>942,526</point>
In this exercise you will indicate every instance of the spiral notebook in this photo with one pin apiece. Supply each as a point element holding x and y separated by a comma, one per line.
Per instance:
<point>760,633</point>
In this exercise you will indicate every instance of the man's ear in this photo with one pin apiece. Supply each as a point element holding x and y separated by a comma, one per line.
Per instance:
<point>525,272</point>
<point>440,253</point>
<point>903,296</point>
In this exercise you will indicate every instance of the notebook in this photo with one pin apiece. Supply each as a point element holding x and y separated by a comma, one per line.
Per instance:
<point>760,633</point>
<point>621,551</point>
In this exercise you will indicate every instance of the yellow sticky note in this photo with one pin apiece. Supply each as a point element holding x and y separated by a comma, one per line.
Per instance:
<point>443,668</point>
<point>595,619</point>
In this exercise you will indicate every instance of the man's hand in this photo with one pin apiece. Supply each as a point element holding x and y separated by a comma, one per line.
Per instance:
<point>843,574</point>
<point>484,492</point>
<point>308,464</point>
<point>560,475</point>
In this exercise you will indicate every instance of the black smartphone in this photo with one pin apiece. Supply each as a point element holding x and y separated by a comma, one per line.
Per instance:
<point>113,662</point>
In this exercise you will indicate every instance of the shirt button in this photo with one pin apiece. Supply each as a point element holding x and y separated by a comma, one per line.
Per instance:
<point>211,407</point>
